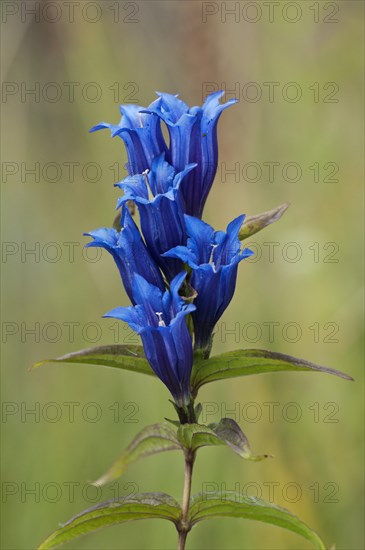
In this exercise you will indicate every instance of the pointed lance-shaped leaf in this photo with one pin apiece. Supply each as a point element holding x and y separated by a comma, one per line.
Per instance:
<point>153,439</point>
<point>125,357</point>
<point>251,361</point>
<point>226,432</point>
<point>113,512</point>
<point>229,431</point>
<point>253,224</point>
<point>235,505</point>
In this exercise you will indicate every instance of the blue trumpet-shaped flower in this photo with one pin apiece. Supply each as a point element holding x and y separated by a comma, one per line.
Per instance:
<point>213,257</point>
<point>193,139</point>
<point>159,318</point>
<point>142,135</point>
<point>129,252</point>
<point>158,197</point>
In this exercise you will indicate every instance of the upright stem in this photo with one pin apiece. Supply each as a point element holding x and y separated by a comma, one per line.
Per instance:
<point>184,526</point>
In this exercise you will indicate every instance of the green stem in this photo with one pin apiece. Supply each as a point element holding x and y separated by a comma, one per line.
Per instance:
<point>184,525</point>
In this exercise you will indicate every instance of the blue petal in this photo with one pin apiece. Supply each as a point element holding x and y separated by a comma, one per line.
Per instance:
<point>161,176</point>
<point>103,126</point>
<point>184,352</point>
<point>171,367</point>
<point>129,252</point>
<point>105,237</point>
<point>246,253</point>
<point>141,134</point>
<point>234,226</point>
<point>212,108</point>
<point>176,283</point>
<point>181,175</point>
<point>149,296</point>
<point>163,228</point>
<point>136,257</point>
<point>200,238</point>
<point>132,116</point>
<point>182,253</point>
<point>231,245</point>
<point>170,354</point>
<point>215,290</point>
<point>134,186</point>
<point>170,106</point>
<point>133,315</point>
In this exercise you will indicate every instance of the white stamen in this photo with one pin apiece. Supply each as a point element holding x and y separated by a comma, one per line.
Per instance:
<point>145,175</point>
<point>140,120</point>
<point>161,322</point>
<point>211,261</point>
<point>147,182</point>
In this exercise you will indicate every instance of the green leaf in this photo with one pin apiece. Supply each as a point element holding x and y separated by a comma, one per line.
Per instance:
<point>151,440</point>
<point>124,357</point>
<point>198,409</point>
<point>234,505</point>
<point>253,224</point>
<point>250,361</point>
<point>173,422</point>
<point>139,506</point>
<point>226,432</point>
<point>229,431</point>
<point>193,436</point>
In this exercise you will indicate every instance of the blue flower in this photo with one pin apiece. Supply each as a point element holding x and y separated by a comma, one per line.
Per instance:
<point>142,135</point>
<point>193,139</point>
<point>129,252</point>
<point>158,197</point>
<point>213,257</point>
<point>159,318</point>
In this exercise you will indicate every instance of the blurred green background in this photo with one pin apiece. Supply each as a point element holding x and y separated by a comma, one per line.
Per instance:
<point>81,67</point>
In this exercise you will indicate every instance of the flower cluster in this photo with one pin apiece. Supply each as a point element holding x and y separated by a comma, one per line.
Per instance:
<point>175,267</point>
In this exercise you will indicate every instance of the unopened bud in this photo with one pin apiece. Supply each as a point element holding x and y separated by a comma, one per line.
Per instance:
<point>253,224</point>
